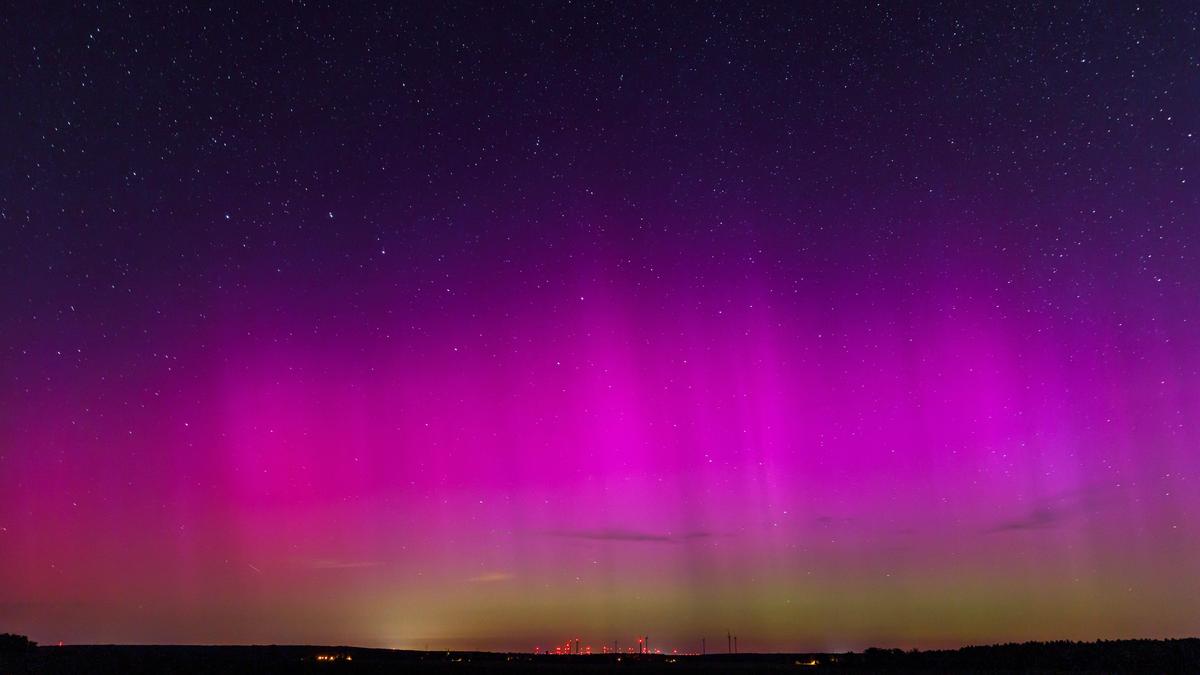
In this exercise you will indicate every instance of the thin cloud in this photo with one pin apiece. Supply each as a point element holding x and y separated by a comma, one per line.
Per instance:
<point>1052,511</point>
<point>343,564</point>
<point>613,534</point>
<point>491,578</point>
<point>828,521</point>
<point>1040,518</point>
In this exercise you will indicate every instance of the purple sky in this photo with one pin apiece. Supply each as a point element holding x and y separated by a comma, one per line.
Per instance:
<point>463,329</point>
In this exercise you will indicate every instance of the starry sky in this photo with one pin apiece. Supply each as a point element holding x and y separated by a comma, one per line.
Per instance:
<point>458,327</point>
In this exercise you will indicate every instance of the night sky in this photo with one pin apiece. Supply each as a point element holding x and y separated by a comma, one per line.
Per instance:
<point>470,327</point>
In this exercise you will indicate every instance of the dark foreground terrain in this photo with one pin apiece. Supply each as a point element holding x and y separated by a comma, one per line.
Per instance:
<point>1122,656</point>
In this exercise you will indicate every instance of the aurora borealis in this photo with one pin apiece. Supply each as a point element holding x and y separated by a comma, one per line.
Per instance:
<point>453,327</point>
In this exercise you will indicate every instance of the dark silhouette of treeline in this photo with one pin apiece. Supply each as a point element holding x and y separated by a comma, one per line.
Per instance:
<point>10,643</point>
<point>1103,656</point>
<point>19,655</point>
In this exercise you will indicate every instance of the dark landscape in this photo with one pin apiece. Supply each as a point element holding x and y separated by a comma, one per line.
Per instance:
<point>1111,656</point>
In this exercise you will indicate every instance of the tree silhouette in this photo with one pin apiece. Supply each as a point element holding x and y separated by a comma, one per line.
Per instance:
<point>10,642</point>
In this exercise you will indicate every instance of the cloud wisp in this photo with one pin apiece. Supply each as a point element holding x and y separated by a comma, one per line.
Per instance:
<point>491,578</point>
<point>343,564</point>
<point>617,534</point>
<point>1052,511</point>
